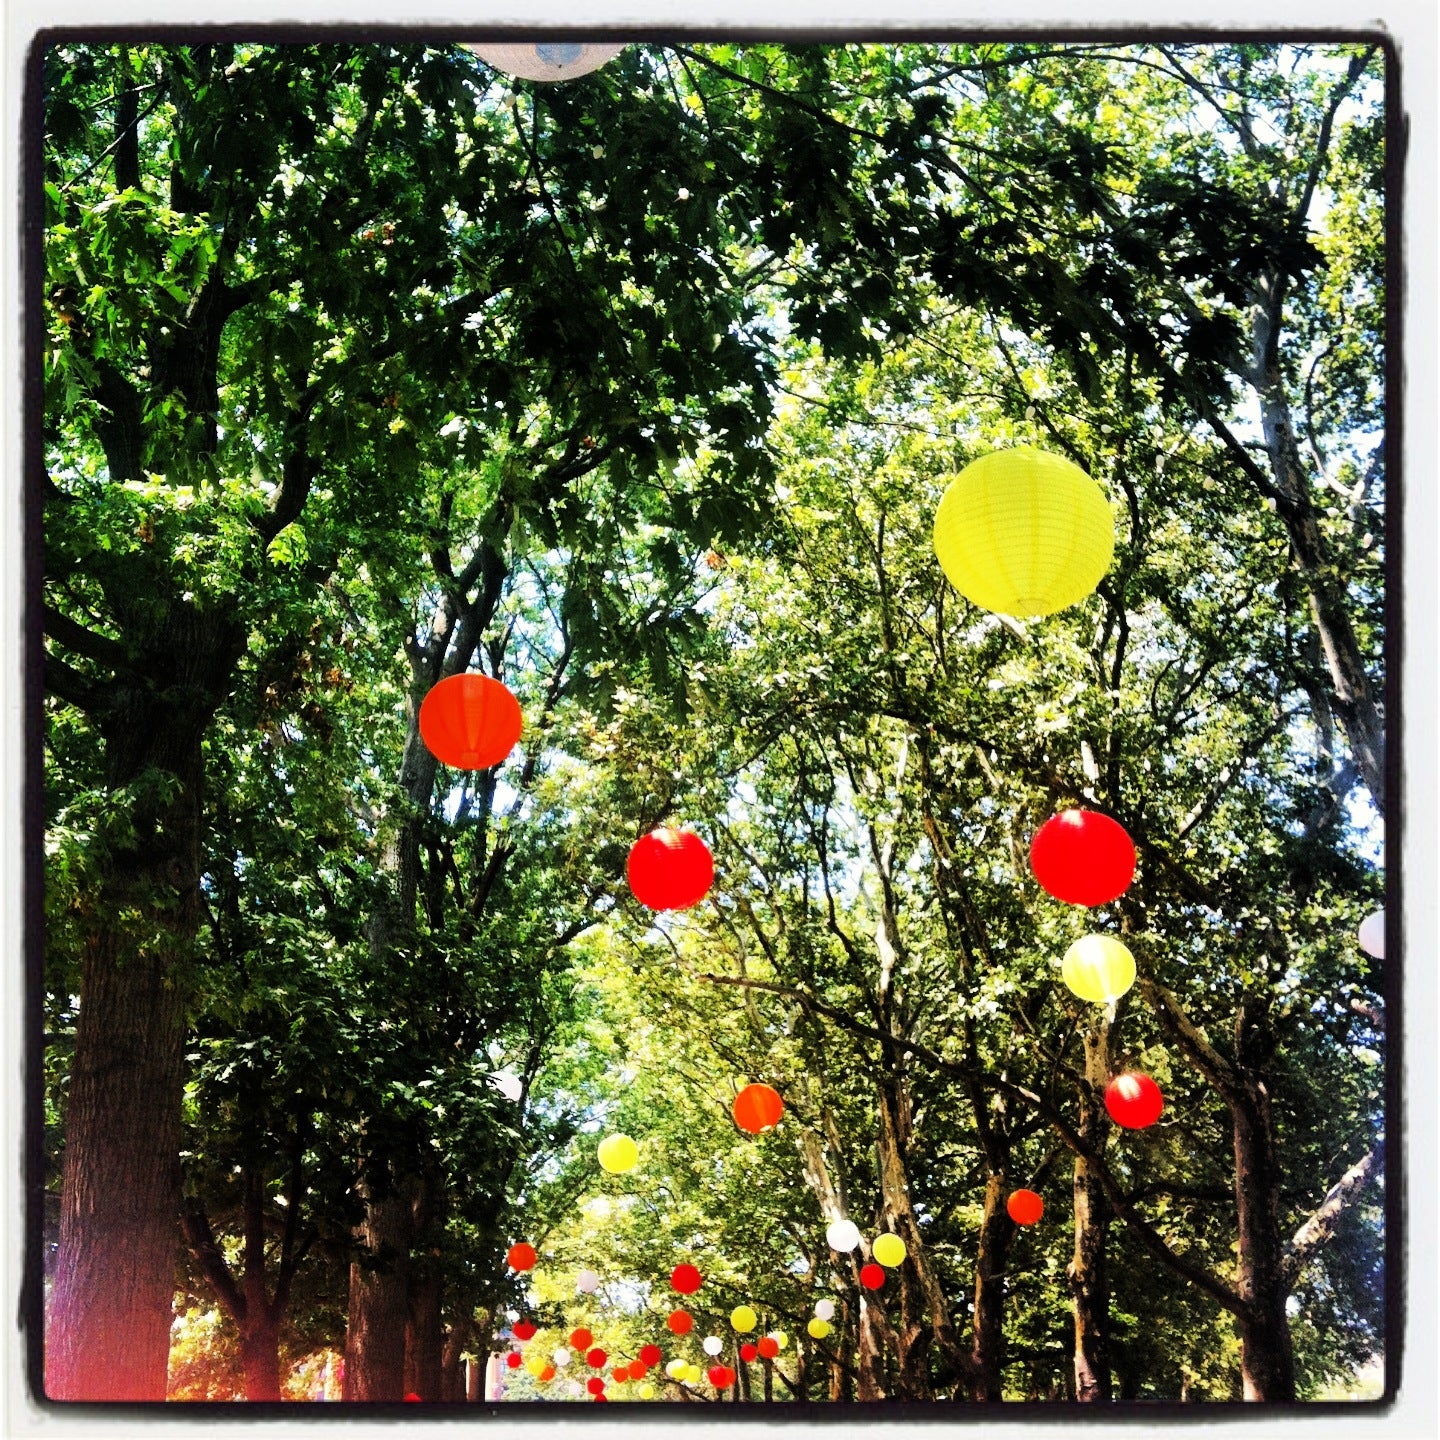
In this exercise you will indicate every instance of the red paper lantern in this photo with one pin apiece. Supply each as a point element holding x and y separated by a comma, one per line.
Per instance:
<point>513,1360</point>
<point>758,1108</point>
<point>669,869</point>
<point>638,1371</point>
<point>412,1396</point>
<point>872,1276</point>
<point>1025,1207</point>
<point>685,1279</point>
<point>748,1352</point>
<point>522,1330</point>
<point>596,1358</point>
<point>521,1256</point>
<point>1083,857</point>
<point>680,1322</point>
<point>722,1377</point>
<point>580,1338</point>
<point>595,1385</point>
<point>1134,1100</point>
<point>620,1374</point>
<point>768,1346</point>
<point>601,1395</point>
<point>470,722</point>
<point>650,1354</point>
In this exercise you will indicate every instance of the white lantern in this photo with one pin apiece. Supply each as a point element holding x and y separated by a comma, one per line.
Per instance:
<point>561,1358</point>
<point>510,1086</point>
<point>587,1282</point>
<point>1372,934</point>
<point>712,1344</point>
<point>842,1236</point>
<point>825,1309</point>
<point>549,60</point>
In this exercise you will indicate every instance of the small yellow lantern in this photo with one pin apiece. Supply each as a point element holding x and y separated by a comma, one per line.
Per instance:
<point>617,1154</point>
<point>818,1329</point>
<point>1023,532</point>
<point>1098,968</point>
<point>743,1319</point>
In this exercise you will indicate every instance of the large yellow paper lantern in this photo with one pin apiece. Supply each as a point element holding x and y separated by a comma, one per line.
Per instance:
<point>617,1154</point>
<point>1023,532</point>
<point>1098,968</point>
<point>743,1319</point>
<point>889,1250</point>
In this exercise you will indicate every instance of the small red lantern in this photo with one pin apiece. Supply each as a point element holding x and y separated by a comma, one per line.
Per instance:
<point>685,1279</point>
<point>580,1338</point>
<point>650,1354</point>
<point>680,1322</point>
<point>470,722</point>
<point>638,1371</point>
<point>412,1396</point>
<point>758,1108</point>
<point>1134,1100</point>
<point>620,1374</point>
<point>596,1358</point>
<point>1083,857</point>
<point>722,1377</point>
<point>670,869</point>
<point>522,1330</point>
<point>872,1276</point>
<point>521,1256</point>
<point>513,1360</point>
<point>601,1395</point>
<point>768,1346</point>
<point>749,1352</point>
<point>1025,1207</point>
<point>595,1385</point>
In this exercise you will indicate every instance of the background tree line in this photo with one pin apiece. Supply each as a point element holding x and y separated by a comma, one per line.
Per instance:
<point>365,367</point>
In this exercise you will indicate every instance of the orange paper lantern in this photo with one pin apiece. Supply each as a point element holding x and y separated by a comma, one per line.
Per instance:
<point>470,722</point>
<point>1025,1207</point>
<point>681,1322</point>
<point>768,1346</point>
<point>581,1339</point>
<point>758,1108</point>
<point>521,1256</point>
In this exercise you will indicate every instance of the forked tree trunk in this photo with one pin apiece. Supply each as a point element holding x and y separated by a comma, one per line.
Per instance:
<point>1089,1283</point>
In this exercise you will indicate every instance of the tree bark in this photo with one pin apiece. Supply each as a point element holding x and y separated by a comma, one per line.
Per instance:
<point>1089,1283</point>
<point>987,1351</point>
<point>108,1336</point>
<point>424,1334</point>
<point>452,1363</point>
<point>379,1311</point>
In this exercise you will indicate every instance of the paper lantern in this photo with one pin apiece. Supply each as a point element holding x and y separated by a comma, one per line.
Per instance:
<point>1023,532</point>
<point>1083,857</point>
<point>521,1256</point>
<point>680,1322</point>
<point>872,1277</point>
<point>646,1391</point>
<point>601,1395</point>
<point>1025,1207</point>
<point>595,1385</point>
<point>675,1369</point>
<point>1372,934</point>
<point>669,869</point>
<point>587,1281</point>
<point>412,1396</point>
<point>617,1154</point>
<point>825,1309</point>
<point>743,1319</point>
<point>1134,1101</point>
<point>749,1352</point>
<point>692,1373</point>
<point>685,1279</point>
<point>722,1377</point>
<point>780,1338</point>
<point>514,1360</point>
<point>548,60</point>
<point>758,1108</point>
<point>596,1358</point>
<point>638,1370</point>
<point>561,1357</point>
<point>842,1236</point>
<point>510,1086</point>
<point>581,1339</point>
<point>818,1329</point>
<point>470,722</point>
<point>547,1374</point>
<point>535,1365</point>
<point>522,1330</point>
<point>889,1250</point>
<point>620,1374</point>
<point>712,1344</point>
<point>1098,968</point>
<point>650,1354</point>
<point>768,1347</point>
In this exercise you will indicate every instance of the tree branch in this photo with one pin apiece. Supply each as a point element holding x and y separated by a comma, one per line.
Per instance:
<point>1301,1248</point>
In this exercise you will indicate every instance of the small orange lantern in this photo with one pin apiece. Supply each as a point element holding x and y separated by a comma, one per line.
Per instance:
<point>758,1108</point>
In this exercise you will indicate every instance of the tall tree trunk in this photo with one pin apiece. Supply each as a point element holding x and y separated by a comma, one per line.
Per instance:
<point>260,1355</point>
<point>112,1306</point>
<point>452,1363</point>
<point>424,1332</point>
<point>987,1351</point>
<point>379,1309</point>
<point>1089,1283</point>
